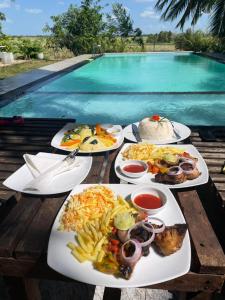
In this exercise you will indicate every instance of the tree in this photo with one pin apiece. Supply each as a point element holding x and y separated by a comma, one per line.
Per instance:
<point>78,28</point>
<point>138,38</point>
<point>119,22</point>
<point>194,9</point>
<point>2,18</point>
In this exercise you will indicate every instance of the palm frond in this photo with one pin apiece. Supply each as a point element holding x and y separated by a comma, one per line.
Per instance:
<point>217,20</point>
<point>171,9</point>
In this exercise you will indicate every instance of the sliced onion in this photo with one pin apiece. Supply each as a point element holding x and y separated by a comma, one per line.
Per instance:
<point>122,235</point>
<point>150,230</point>
<point>186,159</point>
<point>131,260</point>
<point>156,230</point>
<point>191,164</point>
<point>174,171</point>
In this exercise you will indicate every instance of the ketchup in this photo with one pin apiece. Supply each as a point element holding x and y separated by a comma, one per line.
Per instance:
<point>134,168</point>
<point>148,201</point>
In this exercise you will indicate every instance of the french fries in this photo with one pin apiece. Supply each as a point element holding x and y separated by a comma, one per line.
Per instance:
<point>92,238</point>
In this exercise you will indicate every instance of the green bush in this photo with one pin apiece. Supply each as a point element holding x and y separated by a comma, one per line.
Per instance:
<point>195,41</point>
<point>29,48</point>
<point>10,44</point>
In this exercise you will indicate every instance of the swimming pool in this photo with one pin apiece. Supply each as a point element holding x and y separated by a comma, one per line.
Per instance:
<point>124,88</point>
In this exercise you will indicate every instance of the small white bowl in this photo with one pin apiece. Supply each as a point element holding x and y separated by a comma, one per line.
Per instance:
<point>133,162</point>
<point>152,191</point>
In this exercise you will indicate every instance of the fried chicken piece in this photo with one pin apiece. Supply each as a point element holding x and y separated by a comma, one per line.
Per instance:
<point>171,239</point>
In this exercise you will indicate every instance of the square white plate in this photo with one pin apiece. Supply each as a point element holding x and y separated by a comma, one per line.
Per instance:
<point>150,178</point>
<point>149,270</point>
<point>56,141</point>
<point>61,183</point>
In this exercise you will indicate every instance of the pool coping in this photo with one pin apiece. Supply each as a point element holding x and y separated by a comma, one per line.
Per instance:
<point>16,85</point>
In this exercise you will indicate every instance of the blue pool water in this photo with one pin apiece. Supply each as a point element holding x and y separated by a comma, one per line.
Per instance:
<point>91,93</point>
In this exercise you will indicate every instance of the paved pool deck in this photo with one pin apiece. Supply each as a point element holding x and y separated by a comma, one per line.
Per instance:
<point>13,86</point>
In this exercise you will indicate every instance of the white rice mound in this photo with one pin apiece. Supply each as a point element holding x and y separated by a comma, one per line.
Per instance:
<point>156,130</point>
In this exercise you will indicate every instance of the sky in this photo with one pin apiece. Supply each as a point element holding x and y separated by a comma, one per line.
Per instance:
<point>28,17</point>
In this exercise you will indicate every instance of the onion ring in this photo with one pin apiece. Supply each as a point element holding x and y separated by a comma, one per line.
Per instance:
<point>157,230</point>
<point>150,230</point>
<point>174,171</point>
<point>189,164</point>
<point>131,260</point>
<point>186,159</point>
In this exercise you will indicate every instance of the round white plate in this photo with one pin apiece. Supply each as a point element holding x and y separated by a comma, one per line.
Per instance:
<point>149,178</point>
<point>183,131</point>
<point>56,141</point>
<point>61,183</point>
<point>148,270</point>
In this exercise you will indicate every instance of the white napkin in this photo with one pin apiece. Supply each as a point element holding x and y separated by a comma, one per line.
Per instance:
<point>44,170</point>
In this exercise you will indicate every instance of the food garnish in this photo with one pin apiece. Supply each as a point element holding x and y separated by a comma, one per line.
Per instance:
<point>88,138</point>
<point>111,233</point>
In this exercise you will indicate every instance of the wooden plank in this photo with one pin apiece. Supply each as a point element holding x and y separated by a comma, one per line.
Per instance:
<point>210,149</point>
<point>110,176</point>
<point>220,186</point>
<point>213,155</point>
<point>24,139</point>
<point>9,167</point>
<point>191,281</point>
<point>95,173</point>
<point>214,161</point>
<point>6,194</point>
<point>209,144</point>
<point>214,169</point>
<point>209,252</point>
<point>16,223</point>
<point>12,160</point>
<point>35,240</point>
<point>218,178</point>
<point>25,148</point>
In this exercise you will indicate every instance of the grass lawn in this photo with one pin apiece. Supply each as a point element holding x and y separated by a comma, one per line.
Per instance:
<point>13,70</point>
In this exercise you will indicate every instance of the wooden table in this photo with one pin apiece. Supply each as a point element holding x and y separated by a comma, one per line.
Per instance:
<point>26,220</point>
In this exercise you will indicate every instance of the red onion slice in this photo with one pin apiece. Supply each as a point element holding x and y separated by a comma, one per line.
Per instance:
<point>149,229</point>
<point>190,166</point>
<point>174,171</point>
<point>131,260</point>
<point>156,230</point>
<point>186,159</point>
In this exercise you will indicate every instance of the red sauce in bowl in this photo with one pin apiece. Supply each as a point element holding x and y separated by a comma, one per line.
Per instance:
<point>134,168</point>
<point>148,201</point>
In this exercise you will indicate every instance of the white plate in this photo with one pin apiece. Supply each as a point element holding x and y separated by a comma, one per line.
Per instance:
<point>62,183</point>
<point>149,270</point>
<point>56,141</point>
<point>150,178</point>
<point>183,131</point>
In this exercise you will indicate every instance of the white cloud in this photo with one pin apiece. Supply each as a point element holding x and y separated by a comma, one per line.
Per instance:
<point>61,2</point>
<point>34,11</point>
<point>5,4</point>
<point>149,13</point>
